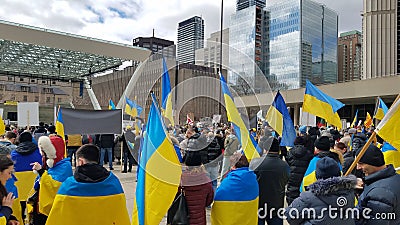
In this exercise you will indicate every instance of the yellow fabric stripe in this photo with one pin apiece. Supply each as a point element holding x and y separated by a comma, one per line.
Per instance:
<point>390,130</point>
<point>24,184</point>
<point>392,157</point>
<point>163,175</point>
<point>17,210</point>
<point>275,119</point>
<point>92,210</point>
<point>3,220</point>
<point>309,179</point>
<point>322,109</point>
<point>168,110</point>
<point>379,114</point>
<point>233,213</point>
<point>47,192</point>
<point>234,116</point>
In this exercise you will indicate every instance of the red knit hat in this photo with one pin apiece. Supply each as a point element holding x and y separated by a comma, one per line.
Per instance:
<point>53,147</point>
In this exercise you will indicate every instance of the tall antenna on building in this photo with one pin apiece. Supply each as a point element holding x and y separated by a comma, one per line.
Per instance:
<point>153,32</point>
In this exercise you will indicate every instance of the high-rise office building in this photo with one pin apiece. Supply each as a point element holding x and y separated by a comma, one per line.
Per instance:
<point>190,38</point>
<point>248,53</point>
<point>210,55</point>
<point>243,4</point>
<point>303,43</point>
<point>349,56</point>
<point>381,33</point>
<point>155,44</point>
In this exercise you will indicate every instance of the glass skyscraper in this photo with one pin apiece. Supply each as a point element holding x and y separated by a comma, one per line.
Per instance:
<point>303,44</point>
<point>248,48</point>
<point>190,38</point>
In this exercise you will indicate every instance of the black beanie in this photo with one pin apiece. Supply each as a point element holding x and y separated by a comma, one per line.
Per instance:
<point>373,156</point>
<point>299,140</point>
<point>323,143</point>
<point>193,158</point>
<point>25,137</point>
<point>326,168</point>
<point>274,146</point>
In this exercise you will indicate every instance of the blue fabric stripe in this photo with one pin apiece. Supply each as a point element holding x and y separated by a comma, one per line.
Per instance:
<point>383,106</point>
<point>231,190</point>
<point>314,91</point>
<point>225,89</point>
<point>165,85</point>
<point>288,133</point>
<point>387,147</point>
<point>110,186</point>
<point>153,138</point>
<point>61,170</point>
<point>59,117</point>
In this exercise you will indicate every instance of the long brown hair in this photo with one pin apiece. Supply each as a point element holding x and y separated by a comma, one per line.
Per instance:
<point>5,163</point>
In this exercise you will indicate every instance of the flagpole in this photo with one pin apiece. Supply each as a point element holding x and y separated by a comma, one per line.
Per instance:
<point>364,149</point>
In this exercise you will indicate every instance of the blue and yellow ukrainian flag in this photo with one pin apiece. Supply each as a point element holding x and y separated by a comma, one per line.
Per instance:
<point>381,109</point>
<point>391,155</point>
<point>89,203</point>
<point>166,96</point>
<point>159,172</point>
<point>50,182</point>
<point>248,146</point>
<point>389,127</point>
<point>309,175</point>
<point>111,105</point>
<point>320,104</point>
<point>130,108</point>
<point>279,119</point>
<point>354,123</point>
<point>236,199</point>
<point>3,219</point>
<point>11,187</point>
<point>60,124</point>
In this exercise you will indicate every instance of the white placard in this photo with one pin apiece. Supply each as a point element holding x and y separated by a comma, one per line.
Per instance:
<point>307,119</point>
<point>28,114</point>
<point>1,113</point>
<point>216,119</point>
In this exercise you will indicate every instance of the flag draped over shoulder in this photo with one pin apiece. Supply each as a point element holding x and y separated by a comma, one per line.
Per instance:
<point>248,144</point>
<point>89,203</point>
<point>278,118</point>
<point>166,97</point>
<point>111,105</point>
<point>391,155</point>
<point>368,121</point>
<point>380,110</point>
<point>236,199</point>
<point>159,172</point>
<point>50,182</point>
<point>353,124</point>
<point>389,127</point>
<point>320,104</point>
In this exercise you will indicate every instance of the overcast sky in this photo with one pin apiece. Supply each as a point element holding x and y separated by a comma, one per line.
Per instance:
<point>122,20</point>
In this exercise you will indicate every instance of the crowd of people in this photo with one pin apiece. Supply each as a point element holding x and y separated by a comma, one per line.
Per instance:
<point>216,175</point>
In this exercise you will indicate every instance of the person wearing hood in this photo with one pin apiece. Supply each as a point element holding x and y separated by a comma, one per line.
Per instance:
<point>328,192</point>
<point>322,149</point>
<point>55,170</point>
<point>298,159</point>
<point>23,156</point>
<point>93,195</point>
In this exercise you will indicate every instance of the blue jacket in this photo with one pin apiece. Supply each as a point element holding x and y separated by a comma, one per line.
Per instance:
<point>336,192</point>
<point>381,195</point>
<point>25,154</point>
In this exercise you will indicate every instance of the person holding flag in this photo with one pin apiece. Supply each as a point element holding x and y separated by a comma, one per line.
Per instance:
<point>92,196</point>
<point>155,189</point>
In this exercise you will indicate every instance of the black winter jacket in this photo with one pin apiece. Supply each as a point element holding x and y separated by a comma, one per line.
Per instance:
<point>381,195</point>
<point>335,192</point>
<point>298,159</point>
<point>272,176</point>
